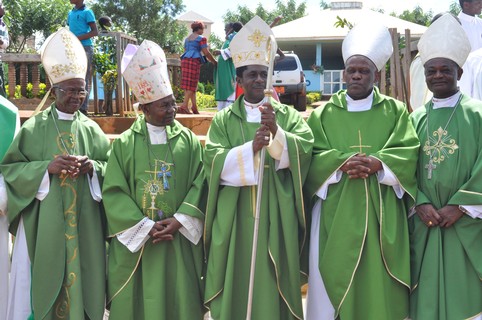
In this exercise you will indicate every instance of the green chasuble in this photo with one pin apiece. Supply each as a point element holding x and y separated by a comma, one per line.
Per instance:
<point>163,280</point>
<point>65,231</point>
<point>230,219</point>
<point>225,74</point>
<point>447,262</point>
<point>364,257</point>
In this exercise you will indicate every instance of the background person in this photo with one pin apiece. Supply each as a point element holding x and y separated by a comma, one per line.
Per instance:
<point>195,45</point>
<point>81,22</point>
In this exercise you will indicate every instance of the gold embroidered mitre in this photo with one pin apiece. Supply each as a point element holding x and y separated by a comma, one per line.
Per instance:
<point>144,68</point>
<point>63,57</point>
<point>249,46</point>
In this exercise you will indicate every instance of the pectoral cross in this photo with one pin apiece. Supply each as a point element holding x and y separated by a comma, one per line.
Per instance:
<point>430,167</point>
<point>361,146</point>
<point>164,174</point>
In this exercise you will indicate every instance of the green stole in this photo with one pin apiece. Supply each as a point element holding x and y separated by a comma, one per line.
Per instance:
<point>67,253</point>
<point>446,268</point>
<point>363,244</point>
<point>230,216</point>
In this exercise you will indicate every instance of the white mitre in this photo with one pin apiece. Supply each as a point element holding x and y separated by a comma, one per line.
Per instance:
<point>250,45</point>
<point>444,38</point>
<point>144,68</point>
<point>371,40</point>
<point>63,57</point>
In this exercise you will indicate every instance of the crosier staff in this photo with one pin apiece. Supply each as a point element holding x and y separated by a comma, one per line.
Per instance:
<point>271,47</point>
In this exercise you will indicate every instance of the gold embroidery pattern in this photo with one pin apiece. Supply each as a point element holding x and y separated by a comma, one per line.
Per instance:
<point>59,70</point>
<point>257,38</point>
<point>157,185</point>
<point>440,146</point>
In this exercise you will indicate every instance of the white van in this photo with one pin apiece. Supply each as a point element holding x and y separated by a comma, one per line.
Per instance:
<point>289,80</point>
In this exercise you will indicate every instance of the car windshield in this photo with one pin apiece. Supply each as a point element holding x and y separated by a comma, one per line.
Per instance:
<point>285,64</point>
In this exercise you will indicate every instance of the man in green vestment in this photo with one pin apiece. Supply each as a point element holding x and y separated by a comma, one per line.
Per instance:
<point>9,124</point>
<point>446,231</point>
<point>235,138</point>
<point>224,72</point>
<point>153,197</point>
<point>53,172</point>
<point>360,185</point>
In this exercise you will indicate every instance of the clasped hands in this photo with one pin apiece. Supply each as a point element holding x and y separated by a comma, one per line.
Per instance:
<point>164,230</point>
<point>268,126</point>
<point>444,217</point>
<point>71,165</point>
<point>361,166</point>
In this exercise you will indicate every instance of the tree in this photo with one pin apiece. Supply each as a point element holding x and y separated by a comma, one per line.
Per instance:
<point>289,10</point>
<point>417,16</point>
<point>24,18</point>
<point>324,5</point>
<point>455,8</point>
<point>147,19</point>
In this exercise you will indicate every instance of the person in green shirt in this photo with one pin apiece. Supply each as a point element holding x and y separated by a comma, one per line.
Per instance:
<point>53,172</point>
<point>153,198</point>
<point>231,163</point>
<point>360,185</point>
<point>446,227</point>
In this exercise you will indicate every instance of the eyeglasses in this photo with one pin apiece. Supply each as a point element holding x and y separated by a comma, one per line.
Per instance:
<point>73,92</point>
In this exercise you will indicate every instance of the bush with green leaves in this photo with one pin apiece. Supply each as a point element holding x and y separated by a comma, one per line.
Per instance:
<point>42,90</point>
<point>312,97</point>
<point>205,101</point>
<point>200,87</point>
<point>209,88</point>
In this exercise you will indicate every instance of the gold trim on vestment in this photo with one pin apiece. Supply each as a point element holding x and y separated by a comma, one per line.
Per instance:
<point>471,192</point>
<point>242,170</point>
<point>207,205</point>
<point>279,289</point>
<point>300,185</point>
<point>381,241</point>
<point>193,206</point>
<point>334,172</point>
<point>400,183</point>
<point>361,249</point>
<point>129,278</point>
<point>473,317</point>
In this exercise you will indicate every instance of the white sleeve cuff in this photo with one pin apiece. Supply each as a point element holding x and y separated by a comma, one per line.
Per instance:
<point>278,150</point>
<point>135,237</point>
<point>225,53</point>
<point>94,186</point>
<point>192,228</point>
<point>239,167</point>
<point>475,212</point>
<point>387,177</point>
<point>43,189</point>
<point>333,179</point>
<point>3,197</point>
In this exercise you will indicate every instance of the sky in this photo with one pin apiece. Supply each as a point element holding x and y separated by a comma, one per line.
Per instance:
<point>215,9</point>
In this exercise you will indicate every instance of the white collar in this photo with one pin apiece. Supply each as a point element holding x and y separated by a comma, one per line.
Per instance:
<point>249,105</point>
<point>64,115</point>
<point>252,112</point>
<point>360,104</point>
<point>157,135</point>
<point>449,102</point>
<point>466,17</point>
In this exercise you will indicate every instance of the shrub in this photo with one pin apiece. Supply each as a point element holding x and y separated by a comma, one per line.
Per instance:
<point>312,97</point>
<point>200,87</point>
<point>209,88</point>
<point>178,93</point>
<point>205,101</point>
<point>29,91</point>
<point>42,90</point>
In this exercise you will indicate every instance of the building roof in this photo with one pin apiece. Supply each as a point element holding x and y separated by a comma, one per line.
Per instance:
<point>320,25</point>
<point>191,16</point>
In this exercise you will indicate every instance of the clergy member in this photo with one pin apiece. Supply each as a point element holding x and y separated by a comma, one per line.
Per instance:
<point>153,200</point>
<point>446,231</point>
<point>235,138</point>
<point>10,124</point>
<point>53,171</point>
<point>360,185</point>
